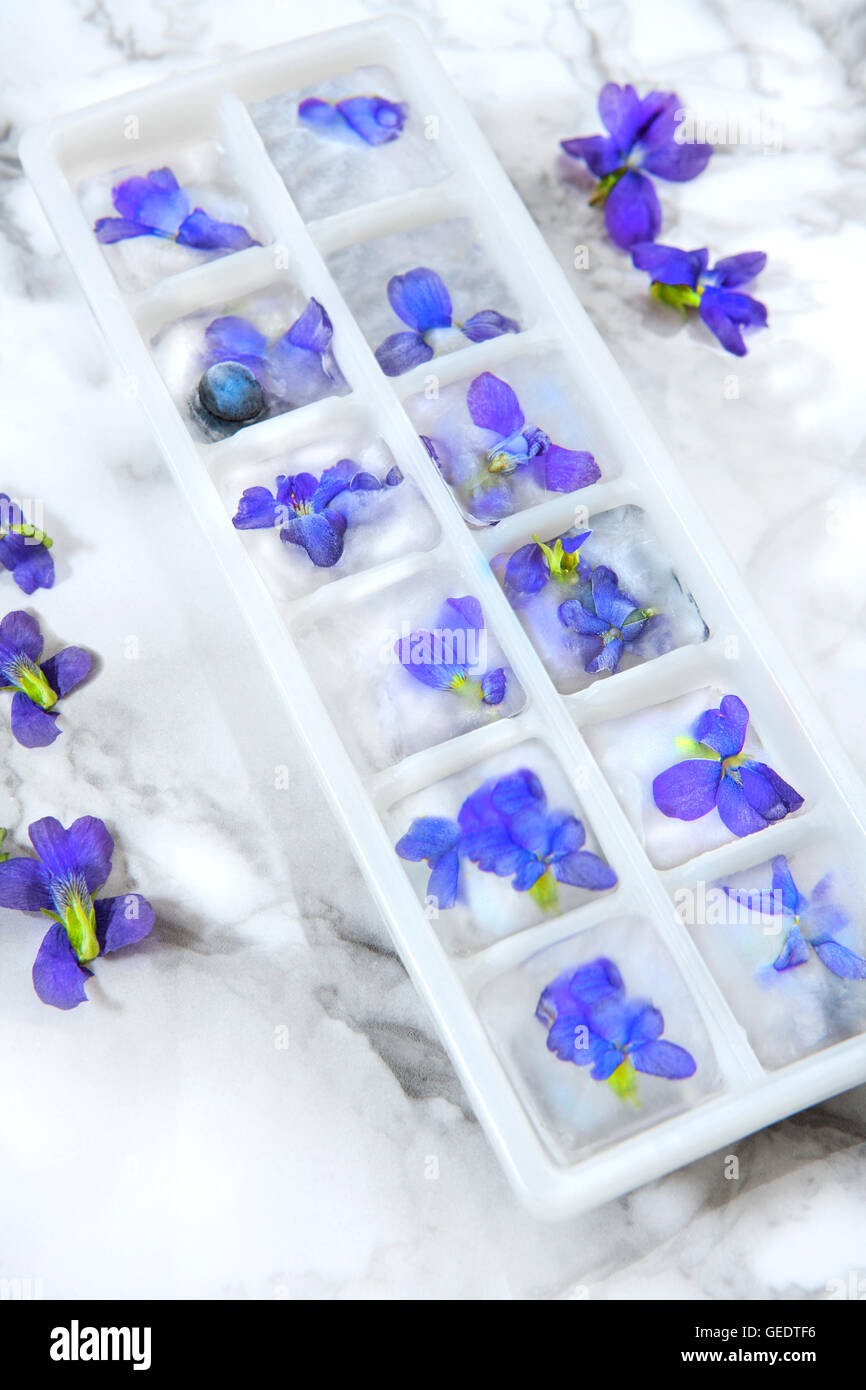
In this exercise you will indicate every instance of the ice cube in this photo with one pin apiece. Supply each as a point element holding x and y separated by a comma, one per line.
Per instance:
<point>382,525</point>
<point>621,540</point>
<point>635,748</point>
<point>787,1013</point>
<point>488,908</point>
<point>327,173</point>
<point>181,353</point>
<point>571,1111</point>
<point>199,168</point>
<point>489,483</point>
<point>383,712</point>
<point>452,249</point>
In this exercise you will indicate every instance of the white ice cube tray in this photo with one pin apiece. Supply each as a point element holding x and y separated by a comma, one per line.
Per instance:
<point>739,655</point>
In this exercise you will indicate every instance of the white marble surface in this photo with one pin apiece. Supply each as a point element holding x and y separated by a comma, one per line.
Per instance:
<point>157,1142</point>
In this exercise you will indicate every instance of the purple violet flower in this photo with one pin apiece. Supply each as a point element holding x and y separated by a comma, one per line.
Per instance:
<point>509,831</point>
<point>374,119</point>
<point>609,616</point>
<point>37,687</point>
<point>747,794</point>
<point>493,406</point>
<point>531,567</point>
<point>591,1022</point>
<point>303,507</point>
<point>246,376</point>
<point>422,301</point>
<point>24,550</point>
<point>813,922</point>
<point>156,206</point>
<point>70,866</point>
<point>643,139</point>
<point>505,828</point>
<point>450,658</point>
<point>681,279</point>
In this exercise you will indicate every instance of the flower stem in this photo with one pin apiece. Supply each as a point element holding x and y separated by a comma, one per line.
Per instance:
<point>623,1082</point>
<point>543,892</point>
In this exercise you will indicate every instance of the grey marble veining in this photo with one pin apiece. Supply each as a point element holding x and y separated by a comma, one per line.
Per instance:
<point>254,1104</point>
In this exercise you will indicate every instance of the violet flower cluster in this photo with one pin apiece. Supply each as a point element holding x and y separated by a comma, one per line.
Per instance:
<point>647,138</point>
<point>592,1023</point>
<point>605,618</point>
<point>506,828</point>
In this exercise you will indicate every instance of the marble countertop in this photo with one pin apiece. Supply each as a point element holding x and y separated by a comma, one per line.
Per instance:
<point>249,1106</point>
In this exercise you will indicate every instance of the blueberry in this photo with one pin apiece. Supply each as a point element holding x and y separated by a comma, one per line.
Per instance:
<point>230,391</point>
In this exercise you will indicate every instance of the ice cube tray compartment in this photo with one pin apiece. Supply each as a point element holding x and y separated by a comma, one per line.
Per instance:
<point>306,255</point>
<point>572,1112</point>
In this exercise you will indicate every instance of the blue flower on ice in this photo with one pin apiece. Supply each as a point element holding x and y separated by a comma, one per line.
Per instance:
<point>592,1023</point>
<point>531,567</point>
<point>509,830</point>
<point>157,206</point>
<point>37,686</point>
<point>682,280</point>
<point>24,550</point>
<point>422,301</point>
<point>514,445</point>
<point>505,828</point>
<point>607,617</point>
<point>70,866</point>
<point>645,136</point>
<point>436,840</point>
<point>812,922</point>
<point>747,794</point>
<point>304,507</point>
<point>374,119</point>
<point>450,657</point>
<point>245,376</point>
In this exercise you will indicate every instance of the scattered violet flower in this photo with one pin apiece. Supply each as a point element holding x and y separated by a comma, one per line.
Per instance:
<point>37,687</point>
<point>69,868</point>
<point>747,794</point>
<point>812,922</point>
<point>374,119</point>
<point>157,206</point>
<point>609,616</point>
<point>592,1023</point>
<point>245,375</point>
<point>303,506</point>
<point>422,301</point>
<point>682,280</point>
<point>505,828</point>
<point>451,657</point>
<point>493,406</point>
<point>24,550</point>
<point>535,564</point>
<point>643,138</point>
